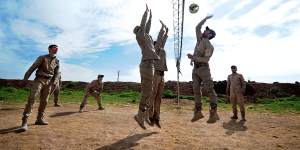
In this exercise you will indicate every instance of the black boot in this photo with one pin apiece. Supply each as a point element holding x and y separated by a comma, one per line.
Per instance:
<point>56,105</point>
<point>40,120</point>
<point>81,108</point>
<point>156,122</point>
<point>243,116</point>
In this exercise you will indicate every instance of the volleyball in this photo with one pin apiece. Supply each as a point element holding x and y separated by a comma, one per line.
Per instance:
<point>194,8</point>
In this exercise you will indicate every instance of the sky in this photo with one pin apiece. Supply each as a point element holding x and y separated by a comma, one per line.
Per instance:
<point>95,37</point>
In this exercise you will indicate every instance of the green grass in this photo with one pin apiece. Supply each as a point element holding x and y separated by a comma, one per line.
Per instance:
<point>11,95</point>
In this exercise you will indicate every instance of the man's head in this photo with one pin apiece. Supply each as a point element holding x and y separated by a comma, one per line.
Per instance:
<point>209,33</point>
<point>136,29</point>
<point>233,69</point>
<point>52,49</point>
<point>100,77</point>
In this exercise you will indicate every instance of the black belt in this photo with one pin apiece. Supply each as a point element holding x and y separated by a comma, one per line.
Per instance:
<point>197,65</point>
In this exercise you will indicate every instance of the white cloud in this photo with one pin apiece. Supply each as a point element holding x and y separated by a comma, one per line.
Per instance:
<point>85,27</point>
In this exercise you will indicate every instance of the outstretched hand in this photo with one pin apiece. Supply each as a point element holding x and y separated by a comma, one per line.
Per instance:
<point>162,23</point>
<point>209,16</point>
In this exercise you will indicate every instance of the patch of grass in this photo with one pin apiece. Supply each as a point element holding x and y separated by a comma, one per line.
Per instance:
<point>279,105</point>
<point>11,95</point>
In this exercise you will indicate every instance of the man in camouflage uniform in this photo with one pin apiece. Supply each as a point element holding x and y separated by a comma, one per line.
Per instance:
<point>201,72</point>
<point>236,87</point>
<point>160,67</point>
<point>47,67</point>
<point>55,90</point>
<point>93,89</point>
<point>146,66</point>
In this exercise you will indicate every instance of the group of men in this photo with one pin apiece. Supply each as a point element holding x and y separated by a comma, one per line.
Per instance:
<point>153,65</point>
<point>152,68</point>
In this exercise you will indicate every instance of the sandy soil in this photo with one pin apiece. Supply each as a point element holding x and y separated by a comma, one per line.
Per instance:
<point>114,128</point>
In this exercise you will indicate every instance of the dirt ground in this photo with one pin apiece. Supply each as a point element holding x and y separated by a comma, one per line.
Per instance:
<point>114,128</point>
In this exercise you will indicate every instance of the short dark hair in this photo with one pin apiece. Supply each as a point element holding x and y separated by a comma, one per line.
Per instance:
<point>154,42</point>
<point>52,46</point>
<point>233,67</point>
<point>212,32</point>
<point>100,76</point>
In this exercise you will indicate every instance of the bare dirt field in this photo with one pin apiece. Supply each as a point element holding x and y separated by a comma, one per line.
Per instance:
<point>114,128</point>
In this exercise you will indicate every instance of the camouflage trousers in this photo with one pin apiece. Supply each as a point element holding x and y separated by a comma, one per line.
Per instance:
<point>56,90</point>
<point>41,86</point>
<point>202,81</point>
<point>96,95</point>
<point>237,98</point>
<point>155,101</point>
<point>147,75</point>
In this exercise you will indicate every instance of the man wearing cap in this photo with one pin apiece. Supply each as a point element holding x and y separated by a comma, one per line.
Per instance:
<point>55,90</point>
<point>236,87</point>
<point>160,67</point>
<point>93,89</point>
<point>47,67</point>
<point>146,66</point>
<point>201,72</point>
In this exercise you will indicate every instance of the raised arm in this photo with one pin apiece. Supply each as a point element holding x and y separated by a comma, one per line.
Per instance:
<point>159,40</point>
<point>144,19</point>
<point>165,37</point>
<point>33,67</point>
<point>148,25</point>
<point>199,26</point>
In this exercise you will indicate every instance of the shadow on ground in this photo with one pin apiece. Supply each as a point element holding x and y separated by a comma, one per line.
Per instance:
<point>233,126</point>
<point>127,142</point>
<point>59,114</point>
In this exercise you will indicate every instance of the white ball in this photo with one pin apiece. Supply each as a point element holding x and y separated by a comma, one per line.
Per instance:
<point>194,8</point>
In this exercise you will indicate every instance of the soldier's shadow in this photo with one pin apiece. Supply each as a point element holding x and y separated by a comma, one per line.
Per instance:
<point>233,126</point>
<point>59,114</point>
<point>126,143</point>
<point>16,129</point>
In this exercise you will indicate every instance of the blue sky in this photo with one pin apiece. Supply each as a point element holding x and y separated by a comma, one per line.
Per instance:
<point>259,36</point>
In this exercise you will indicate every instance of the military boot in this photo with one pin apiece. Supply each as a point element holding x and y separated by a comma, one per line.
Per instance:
<point>56,105</point>
<point>40,120</point>
<point>243,116</point>
<point>197,113</point>
<point>213,115</point>
<point>24,126</point>
<point>100,107</point>
<point>140,118</point>
<point>156,122</point>
<point>81,108</point>
<point>234,115</point>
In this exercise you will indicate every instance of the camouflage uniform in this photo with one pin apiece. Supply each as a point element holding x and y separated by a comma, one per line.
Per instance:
<point>55,90</point>
<point>93,89</point>
<point>236,86</point>
<point>158,82</point>
<point>146,66</point>
<point>202,77</point>
<point>47,70</point>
